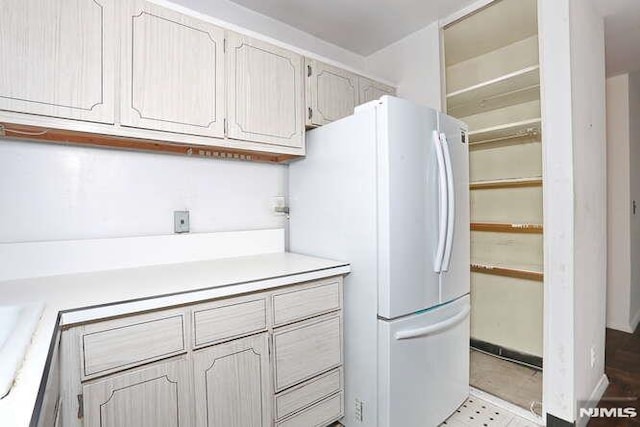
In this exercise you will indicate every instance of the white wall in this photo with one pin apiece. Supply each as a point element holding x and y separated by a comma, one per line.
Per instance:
<point>634,158</point>
<point>590,198</point>
<point>618,204</point>
<point>413,63</point>
<point>51,192</point>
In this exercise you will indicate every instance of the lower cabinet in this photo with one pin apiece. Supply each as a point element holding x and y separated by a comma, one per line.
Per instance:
<point>257,360</point>
<point>156,396</point>
<point>232,384</point>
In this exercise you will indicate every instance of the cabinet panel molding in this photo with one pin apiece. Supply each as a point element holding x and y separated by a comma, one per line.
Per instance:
<point>314,299</point>
<point>320,414</point>
<point>332,93</point>
<point>122,343</point>
<point>172,70</point>
<point>58,58</point>
<point>158,396</point>
<point>265,92</point>
<point>228,319</point>
<point>232,384</point>
<point>370,90</point>
<point>306,349</point>
<point>299,397</point>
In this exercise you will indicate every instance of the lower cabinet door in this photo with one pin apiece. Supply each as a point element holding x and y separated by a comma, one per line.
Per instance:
<point>232,384</point>
<point>156,396</point>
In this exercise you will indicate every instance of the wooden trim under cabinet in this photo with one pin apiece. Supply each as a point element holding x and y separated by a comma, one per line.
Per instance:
<point>91,139</point>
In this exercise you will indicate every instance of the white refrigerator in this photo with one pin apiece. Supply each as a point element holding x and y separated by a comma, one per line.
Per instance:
<point>387,189</point>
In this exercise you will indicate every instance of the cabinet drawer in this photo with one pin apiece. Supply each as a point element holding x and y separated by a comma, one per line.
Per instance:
<point>307,349</point>
<point>314,390</point>
<point>223,320</point>
<point>122,343</point>
<point>320,414</point>
<point>310,300</point>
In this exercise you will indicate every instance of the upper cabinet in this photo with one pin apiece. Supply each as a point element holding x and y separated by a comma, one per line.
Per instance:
<point>370,90</point>
<point>172,69</point>
<point>331,93</point>
<point>58,58</point>
<point>265,93</point>
<point>163,79</point>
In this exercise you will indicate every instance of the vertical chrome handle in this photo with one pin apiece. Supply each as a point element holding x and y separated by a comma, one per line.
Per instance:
<point>451,205</point>
<point>443,205</point>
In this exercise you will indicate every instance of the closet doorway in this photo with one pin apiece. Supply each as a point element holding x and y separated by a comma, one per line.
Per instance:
<point>493,84</point>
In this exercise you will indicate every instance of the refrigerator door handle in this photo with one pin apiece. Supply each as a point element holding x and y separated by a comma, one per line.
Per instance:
<point>433,329</point>
<point>451,208</point>
<point>442,182</point>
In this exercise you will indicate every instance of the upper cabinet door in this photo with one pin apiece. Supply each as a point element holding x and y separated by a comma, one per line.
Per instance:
<point>58,58</point>
<point>172,71</point>
<point>332,93</point>
<point>371,90</point>
<point>265,93</point>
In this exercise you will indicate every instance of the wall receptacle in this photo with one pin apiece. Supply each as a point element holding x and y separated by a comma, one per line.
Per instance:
<point>593,356</point>
<point>181,221</point>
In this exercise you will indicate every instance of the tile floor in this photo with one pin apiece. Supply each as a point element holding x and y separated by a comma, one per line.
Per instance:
<point>477,412</point>
<point>509,381</point>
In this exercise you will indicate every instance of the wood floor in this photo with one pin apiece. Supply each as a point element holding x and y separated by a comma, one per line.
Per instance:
<point>622,366</point>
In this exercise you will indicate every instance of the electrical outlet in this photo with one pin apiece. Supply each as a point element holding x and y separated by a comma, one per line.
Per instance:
<point>593,357</point>
<point>181,221</point>
<point>359,410</point>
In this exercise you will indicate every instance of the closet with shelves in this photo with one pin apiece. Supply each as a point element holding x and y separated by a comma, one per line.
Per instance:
<point>492,74</point>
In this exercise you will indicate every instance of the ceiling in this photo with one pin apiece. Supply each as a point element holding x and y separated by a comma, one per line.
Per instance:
<point>622,34</point>
<point>365,26</point>
<point>361,26</point>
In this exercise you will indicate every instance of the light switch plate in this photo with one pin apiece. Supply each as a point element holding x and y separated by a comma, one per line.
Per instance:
<point>180,221</point>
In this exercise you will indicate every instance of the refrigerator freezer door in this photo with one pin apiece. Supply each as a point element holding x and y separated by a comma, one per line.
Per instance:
<point>423,369</point>
<point>407,208</point>
<point>455,278</point>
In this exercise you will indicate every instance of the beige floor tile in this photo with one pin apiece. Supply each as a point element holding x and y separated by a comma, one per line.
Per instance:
<point>510,381</point>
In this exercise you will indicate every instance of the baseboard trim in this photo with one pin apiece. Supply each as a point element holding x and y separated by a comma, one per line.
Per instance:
<point>635,322</point>
<point>557,422</point>
<point>594,398</point>
<point>505,353</point>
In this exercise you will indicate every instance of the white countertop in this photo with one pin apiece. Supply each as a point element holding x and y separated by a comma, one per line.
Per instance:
<point>89,296</point>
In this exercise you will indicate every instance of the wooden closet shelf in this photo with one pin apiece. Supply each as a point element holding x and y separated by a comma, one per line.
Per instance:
<point>507,228</point>
<point>508,272</point>
<point>511,82</point>
<point>71,137</point>
<point>506,183</point>
<point>526,128</point>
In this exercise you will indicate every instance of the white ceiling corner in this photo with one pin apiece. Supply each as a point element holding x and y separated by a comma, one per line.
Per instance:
<point>361,26</point>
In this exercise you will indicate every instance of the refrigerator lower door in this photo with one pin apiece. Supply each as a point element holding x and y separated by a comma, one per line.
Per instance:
<point>423,366</point>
